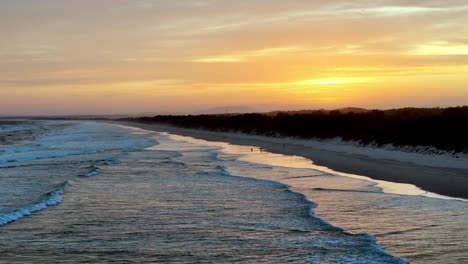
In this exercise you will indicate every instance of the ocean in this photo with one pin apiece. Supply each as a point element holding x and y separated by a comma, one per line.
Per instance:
<point>91,192</point>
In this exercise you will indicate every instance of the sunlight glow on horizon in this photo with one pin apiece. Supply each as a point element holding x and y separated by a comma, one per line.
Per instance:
<point>335,81</point>
<point>149,56</point>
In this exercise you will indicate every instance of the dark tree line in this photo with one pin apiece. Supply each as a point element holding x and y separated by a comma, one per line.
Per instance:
<point>443,128</point>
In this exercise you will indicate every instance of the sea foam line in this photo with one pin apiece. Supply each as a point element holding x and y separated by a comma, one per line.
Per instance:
<point>49,199</point>
<point>301,162</point>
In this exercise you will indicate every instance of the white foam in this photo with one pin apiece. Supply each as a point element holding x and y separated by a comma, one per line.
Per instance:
<point>89,174</point>
<point>273,159</point>
<point>53,198</point>
<point>420,155</point>
<point>83,138</point>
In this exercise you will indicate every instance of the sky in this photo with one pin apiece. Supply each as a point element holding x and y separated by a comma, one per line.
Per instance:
<point>135,56</point>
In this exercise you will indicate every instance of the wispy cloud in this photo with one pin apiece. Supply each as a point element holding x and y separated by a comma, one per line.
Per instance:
<point>227,51</point>
<point>333,81</point>
<point>440,48</point>
<point>248,55</point>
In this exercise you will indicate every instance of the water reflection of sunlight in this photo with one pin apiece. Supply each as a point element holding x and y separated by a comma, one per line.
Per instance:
<point>257,155</point>
<point>260,156</point>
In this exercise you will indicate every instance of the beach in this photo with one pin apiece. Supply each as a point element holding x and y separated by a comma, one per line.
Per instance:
<point>93,191</point>
<point>450,181</point>
<point>96,192</point>
<point>234,132</point>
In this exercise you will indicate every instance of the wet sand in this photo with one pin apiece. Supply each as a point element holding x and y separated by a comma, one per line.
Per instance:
<point>445,181</point>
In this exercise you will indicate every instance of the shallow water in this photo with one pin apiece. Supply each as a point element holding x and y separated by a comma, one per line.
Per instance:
<point>421,227</point>
<point>103,193</point>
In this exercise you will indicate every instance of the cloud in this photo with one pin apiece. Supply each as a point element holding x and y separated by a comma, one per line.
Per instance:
<point>440,48</point>
<point>244,56</point>
<point>334,81</point>
<point>212,47</point>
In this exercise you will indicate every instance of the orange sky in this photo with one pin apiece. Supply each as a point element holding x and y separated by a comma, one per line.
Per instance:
<point>131,56</point>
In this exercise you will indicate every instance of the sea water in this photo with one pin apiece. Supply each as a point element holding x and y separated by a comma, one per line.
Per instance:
<point>95,192</point>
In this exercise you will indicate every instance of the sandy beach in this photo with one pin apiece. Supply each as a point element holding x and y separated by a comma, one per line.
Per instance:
<point>442,180</point>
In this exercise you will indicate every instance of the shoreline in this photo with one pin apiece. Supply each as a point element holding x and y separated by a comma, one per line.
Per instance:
<point>451,182</point>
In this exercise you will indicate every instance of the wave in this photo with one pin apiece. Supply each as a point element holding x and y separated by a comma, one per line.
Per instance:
<point>111,160</point>
<point>311,176</point>
<point>342,190</point>
<point>175,163</point>
<point>325,226</point>
<point>51,198</point>
<point>365,240</point>
<point>77,139</point>
<point>92,170</point>
<point>42,155</point>
<point>87,147</point>
<point>409,230</point>
<point>421,155</point>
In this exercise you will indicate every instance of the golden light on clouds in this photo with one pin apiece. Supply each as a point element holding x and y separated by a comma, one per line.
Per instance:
<point>220,59</point>
<point>441,48</point>
<point>182,56</point>
<point>248,55</point>
<point>334,81</point>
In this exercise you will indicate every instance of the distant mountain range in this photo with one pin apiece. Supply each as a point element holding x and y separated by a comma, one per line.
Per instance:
<point>233,110</point>
<point>226,110</point>
<point>209,111</point>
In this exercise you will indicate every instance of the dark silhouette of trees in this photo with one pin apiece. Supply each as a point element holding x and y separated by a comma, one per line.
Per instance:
<point>445,129</point>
